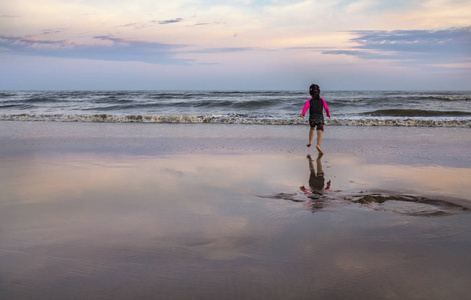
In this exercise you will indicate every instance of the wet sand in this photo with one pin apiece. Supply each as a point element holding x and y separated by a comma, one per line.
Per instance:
<point>146,211</point>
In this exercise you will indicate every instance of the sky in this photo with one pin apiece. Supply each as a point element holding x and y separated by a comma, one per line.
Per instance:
<point>235,45</point>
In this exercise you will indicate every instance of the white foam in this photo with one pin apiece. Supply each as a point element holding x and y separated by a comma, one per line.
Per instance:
<point>238,119</point>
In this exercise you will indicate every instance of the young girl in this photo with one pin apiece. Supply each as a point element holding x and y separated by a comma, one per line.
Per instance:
<point>316,117</point>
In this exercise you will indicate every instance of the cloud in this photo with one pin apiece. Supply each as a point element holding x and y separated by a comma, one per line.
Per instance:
<point>108,48</point>
<point>226,50</point>
<point>135,25</point>
<point>9,16</point>
<point>307,48</point>
<point>361,54</point>
<point>51,31</point>
<point>138,25</point>
<point>177,20</point>
<point>368,6</point>
<point>451,45</point>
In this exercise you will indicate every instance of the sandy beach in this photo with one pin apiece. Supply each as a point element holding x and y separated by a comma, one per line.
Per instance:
<point>214,211</point>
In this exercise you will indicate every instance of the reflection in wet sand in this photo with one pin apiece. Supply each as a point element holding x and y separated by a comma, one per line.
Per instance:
<point>316,185</point>
<point>318,196</point>
<point>314,197</point>
<point>189,226</point>
<point>408,205</point>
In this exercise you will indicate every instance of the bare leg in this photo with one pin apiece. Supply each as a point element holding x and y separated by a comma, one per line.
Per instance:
<point>311,136</point>
<point>311,165</point>
<point>319,141</point>
<point>319,165</point>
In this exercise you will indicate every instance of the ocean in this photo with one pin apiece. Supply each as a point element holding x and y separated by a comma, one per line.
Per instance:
<point>348,108</point>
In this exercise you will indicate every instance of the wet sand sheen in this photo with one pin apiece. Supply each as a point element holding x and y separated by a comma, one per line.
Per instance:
<point>203,217</point>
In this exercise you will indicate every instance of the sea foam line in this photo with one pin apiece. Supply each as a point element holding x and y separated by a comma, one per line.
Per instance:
<point>236,119</point>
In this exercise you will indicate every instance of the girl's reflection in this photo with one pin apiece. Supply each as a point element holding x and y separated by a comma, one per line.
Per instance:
<point>315,191</point>
<point>316,184</point>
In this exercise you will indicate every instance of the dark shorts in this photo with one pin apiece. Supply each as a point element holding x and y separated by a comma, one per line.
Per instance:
<point>316,182</point>
<point>318,126</point>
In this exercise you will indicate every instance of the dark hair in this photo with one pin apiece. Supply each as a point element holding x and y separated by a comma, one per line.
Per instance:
<point>314,91</point>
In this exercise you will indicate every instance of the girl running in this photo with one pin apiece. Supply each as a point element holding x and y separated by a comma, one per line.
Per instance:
<point>316,117</point>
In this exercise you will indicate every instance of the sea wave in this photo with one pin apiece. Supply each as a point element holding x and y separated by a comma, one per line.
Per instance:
<point>125,104</point>
<point>111,99</point>
<point>452,98</point>
<point>416,113</point>
<point>41,100</point>
<point>238,119</point>
<point>424,96</point>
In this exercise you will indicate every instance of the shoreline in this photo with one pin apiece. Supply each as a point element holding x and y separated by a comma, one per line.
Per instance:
<point>414,145</point>
<point>426,162</point>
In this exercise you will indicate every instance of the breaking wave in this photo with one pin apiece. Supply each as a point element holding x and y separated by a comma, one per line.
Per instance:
<point>416,113</point>
<point>239,119</point>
